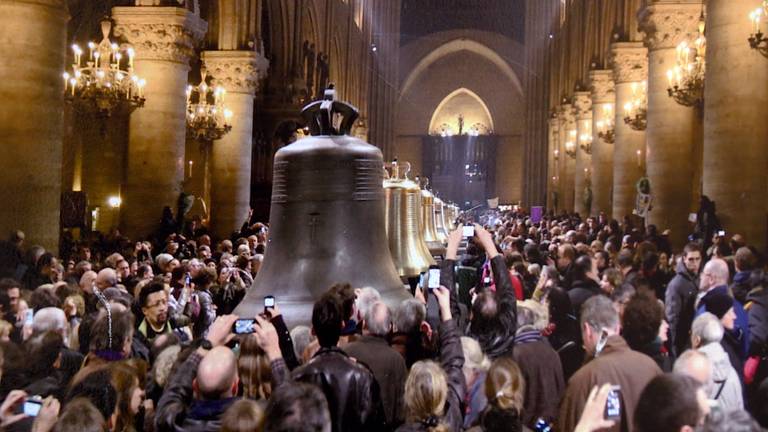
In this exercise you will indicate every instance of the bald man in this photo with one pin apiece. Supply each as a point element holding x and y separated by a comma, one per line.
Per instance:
<point>204,386</point>
<point>696,365</point>
<point>713,283</point>
<point>106,278</point>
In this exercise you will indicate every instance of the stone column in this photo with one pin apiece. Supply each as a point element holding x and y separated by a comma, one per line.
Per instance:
<point>34,34</point>
<point>583,106</point>
<point>163,38</point>
<point>567,164</point>
<point>553,159</point>
<point>601,84</point>
<point>630,67</point>
<point>671,126</point>
<point>238,72</point>
<point>735,126</point>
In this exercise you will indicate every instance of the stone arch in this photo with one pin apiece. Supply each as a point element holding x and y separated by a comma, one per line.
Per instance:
<point>479,112</point>
<point>455,46</point>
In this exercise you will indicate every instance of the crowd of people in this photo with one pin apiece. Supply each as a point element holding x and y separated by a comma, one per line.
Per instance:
<point>561,324</point>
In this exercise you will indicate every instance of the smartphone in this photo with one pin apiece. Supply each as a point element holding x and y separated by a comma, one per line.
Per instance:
<point>468,231</point>
<point>433,278</point>
<point>721,233</point>
<point>487,281</point>
<point>613,404</point>
<point>269,302</point>
<point>29,318</point>
<point>32,406</point>
<point>244,326</point>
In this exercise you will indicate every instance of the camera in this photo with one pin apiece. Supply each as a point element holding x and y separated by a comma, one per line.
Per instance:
<point>269,302</point>
<point>468,231</point>
<point>613,404</point>
<point>244,326</point>
<point>32,406</point>
<point>433,277</point>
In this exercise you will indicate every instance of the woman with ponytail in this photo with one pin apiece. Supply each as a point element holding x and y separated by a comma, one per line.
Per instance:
<point>433,392</point>
<point>504,388</point>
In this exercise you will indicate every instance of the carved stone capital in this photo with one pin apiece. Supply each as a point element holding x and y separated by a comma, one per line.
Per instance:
<point>567,116</point>
<point>159,33</point>
<point>666,23</point>
<point>236,71</point>
<point>629,61</point>
<point>601,85</point>
<point>554,124</point>
<point>582,104</point>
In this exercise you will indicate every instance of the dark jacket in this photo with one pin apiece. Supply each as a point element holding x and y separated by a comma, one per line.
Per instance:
<point>543,374</point>
<point>388,368</point>
<point>177,411</point>
<point>741,285</point>
<point>581,291</point>
<point>757,308</point>
<point>452,360</point>
<point>499,339</point>
<point>354,399</point>
<point>679,305</point>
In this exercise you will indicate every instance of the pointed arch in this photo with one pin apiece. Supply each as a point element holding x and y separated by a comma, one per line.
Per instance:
<point>484,117</point>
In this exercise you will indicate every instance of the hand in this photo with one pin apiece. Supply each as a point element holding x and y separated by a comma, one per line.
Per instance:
<point>266,337</point>
<point>444,300</point>
<point>485,239</point>
<point>454,239</point>
<point>419,295</point>
<point>274,312</point>
<point>48,415</point>
<point>70,309</point>
<point>14,399</point>
<point>220,331</point>
<point>592,417</point>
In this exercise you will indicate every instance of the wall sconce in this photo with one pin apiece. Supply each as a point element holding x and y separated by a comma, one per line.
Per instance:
<point>639,154</point>
<point>570,149</point>
<point>557,154</point>
<point>585,142</point>
<point>114,201</point>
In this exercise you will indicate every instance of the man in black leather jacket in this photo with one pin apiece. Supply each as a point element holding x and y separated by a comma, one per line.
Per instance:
<point>493,319</point>
<point>352,392</point>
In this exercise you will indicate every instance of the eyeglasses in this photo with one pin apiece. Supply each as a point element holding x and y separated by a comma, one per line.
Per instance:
<point>158,304</point>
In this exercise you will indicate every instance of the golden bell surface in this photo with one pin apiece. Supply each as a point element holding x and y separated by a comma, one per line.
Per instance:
<point>402,213</point>
<point>442,231</point>
<point>327,221</point>
<point>427,219</point>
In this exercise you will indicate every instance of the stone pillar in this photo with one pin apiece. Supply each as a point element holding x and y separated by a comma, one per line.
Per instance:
<point>553,158</point>
<point>583,106</point>
<point>163,38</point>
<point>735,126</point>
<point>238,72</point>
<point>630,67</point>
<point>601,84</point>
<point>567,164</point>
<point>671,127</point>
<point>34,34</point>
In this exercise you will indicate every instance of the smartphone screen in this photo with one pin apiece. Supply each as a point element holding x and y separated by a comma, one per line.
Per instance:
<point>243,326</point>
<point>269,302</point>
<point>721,233</point>
<point>613,404</point>
<point>468,231</point>
<point>434,278</point>
<point>29,317</point>
<point>32,407</point>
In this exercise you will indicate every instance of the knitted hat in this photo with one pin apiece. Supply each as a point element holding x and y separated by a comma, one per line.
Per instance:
<point>717,302</point>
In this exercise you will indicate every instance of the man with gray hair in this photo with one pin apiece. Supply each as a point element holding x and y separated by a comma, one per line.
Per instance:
<point>612,362</point>
<point>366,296</point>
<point>696,365</point>
<point>706,334</point>
<point>387,365</point>
<point>53,319</point>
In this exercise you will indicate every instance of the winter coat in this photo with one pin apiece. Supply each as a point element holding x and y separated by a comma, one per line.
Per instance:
<point>543,374</point>
<point>354,399</point>
<point>727,386</point>
<point>679,304</point>
<point>581,291</point>
<point>617,364</point>
<point>177,411</point>
<point>388,368</point>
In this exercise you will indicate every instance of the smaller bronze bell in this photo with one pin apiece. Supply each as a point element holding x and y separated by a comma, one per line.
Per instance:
<point>428,230</point>
<point>442,231</point>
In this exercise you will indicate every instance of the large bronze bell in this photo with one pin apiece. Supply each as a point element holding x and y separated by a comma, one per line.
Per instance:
<point>327,221</point>
<point>442,230</point>
<point>427,219</point>
<point>402,211</point>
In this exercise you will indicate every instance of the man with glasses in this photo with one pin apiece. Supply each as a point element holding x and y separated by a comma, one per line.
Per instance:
<point>680,298</point>
<point>153,300</point>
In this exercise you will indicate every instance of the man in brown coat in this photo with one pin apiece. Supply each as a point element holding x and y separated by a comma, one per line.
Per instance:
<point>612,362</point>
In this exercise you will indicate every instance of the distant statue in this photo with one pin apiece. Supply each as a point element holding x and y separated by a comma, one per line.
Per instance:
<point>309,65</point>
<point>461,124</point>
<point>323,71</point>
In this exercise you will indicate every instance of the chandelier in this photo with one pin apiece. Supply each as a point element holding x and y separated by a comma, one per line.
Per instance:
<point>605,129</point>
<point>585,142</point>
<point>636,110</point>
<point>570,146</point>
<point>757,40</point>
<point>207,117</point>
<point>686,79</point>
<point>105,81</point>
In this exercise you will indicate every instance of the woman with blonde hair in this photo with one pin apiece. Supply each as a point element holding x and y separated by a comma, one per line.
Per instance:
<point>476,366</point>
<point>433,392</point>
<point>254,370</point>
<point>504,388</point>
